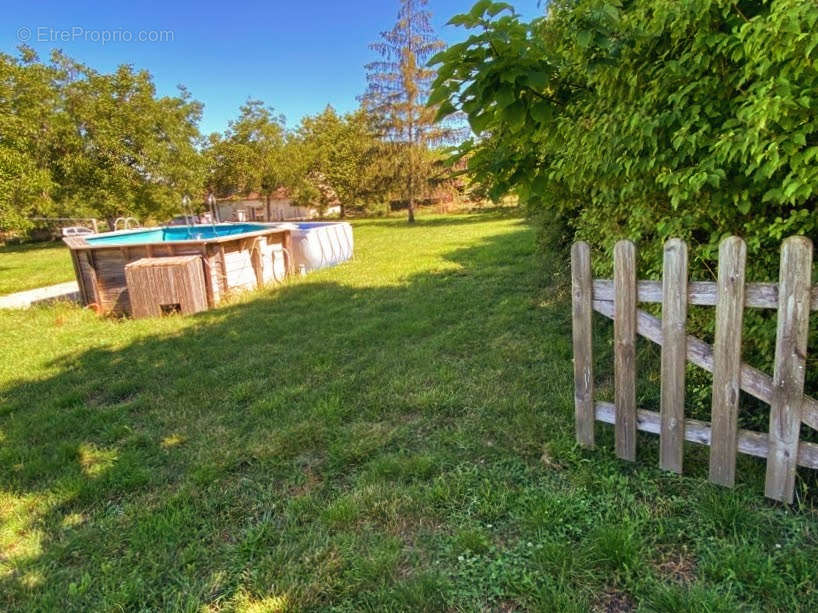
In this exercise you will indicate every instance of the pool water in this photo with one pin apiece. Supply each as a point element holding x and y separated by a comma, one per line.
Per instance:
<point>175,233</point>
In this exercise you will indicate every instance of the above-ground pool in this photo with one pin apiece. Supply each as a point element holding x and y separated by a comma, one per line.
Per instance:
<point>233,256</point>
<point>166,234</point>
<point>320,244</point>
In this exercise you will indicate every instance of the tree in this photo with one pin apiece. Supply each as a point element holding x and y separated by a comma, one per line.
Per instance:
<point>130,152</point>
<point>647,119</point>
<point>74,142</point>
<point>28,110</point>
<point>397,93</point>
<point>340,152</point>
<point>251,155</point>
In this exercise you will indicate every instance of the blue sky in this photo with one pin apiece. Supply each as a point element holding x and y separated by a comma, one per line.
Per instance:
<point>296,55</point>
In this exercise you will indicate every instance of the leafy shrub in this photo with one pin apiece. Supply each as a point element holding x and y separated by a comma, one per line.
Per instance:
<point>648,119</point>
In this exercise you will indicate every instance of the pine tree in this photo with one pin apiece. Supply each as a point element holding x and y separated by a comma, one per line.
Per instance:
<point>398,88</point>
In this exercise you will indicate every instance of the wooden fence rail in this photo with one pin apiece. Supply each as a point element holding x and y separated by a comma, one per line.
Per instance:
<point>793,296</point>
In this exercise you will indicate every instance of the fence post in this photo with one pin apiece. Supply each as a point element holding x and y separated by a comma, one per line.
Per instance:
<point>727,360</point>
<point>790,364</point>
<point>581,309</point>
<point>625,349</point>
<point>674,355</point>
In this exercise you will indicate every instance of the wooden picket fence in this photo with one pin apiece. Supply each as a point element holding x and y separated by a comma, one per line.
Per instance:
<point>617,299</point>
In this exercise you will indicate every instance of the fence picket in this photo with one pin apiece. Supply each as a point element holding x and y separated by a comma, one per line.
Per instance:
<point>674,353</point>
<point>581,296</point>
<point>790,365</point>
<point>727,360</point>
<point>794,297</point>
<point>625,349</point>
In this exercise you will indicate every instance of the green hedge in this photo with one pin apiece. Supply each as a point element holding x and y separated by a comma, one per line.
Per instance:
<point>648,119</point>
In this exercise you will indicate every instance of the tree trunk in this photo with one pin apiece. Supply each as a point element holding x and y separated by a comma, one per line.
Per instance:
<point>410,89</point>
<point>269,210</point>
<point>411,201</point>
<point>411,182</point>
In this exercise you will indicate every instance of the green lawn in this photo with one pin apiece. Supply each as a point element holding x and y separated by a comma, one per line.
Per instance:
<point>33,265</point>
<point>392,434</point>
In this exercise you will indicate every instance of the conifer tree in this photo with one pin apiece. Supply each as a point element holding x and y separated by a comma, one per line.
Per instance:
<point>397,91</point>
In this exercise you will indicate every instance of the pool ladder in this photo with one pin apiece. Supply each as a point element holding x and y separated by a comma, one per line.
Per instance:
<point>126,223</point>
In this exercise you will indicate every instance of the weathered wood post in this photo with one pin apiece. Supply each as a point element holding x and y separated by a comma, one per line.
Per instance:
<point>674,355</point>
<point>794,288</point>
<point>617,299</point>
<point>581,309</point>
<point>625,349</point>
<point>727,360</point>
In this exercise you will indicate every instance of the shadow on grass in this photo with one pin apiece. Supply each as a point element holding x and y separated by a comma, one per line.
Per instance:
<point>229,458</point>
<point>402,447</point>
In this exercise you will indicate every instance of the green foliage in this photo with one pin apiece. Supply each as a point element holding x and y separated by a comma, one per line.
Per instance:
<point>251,155</point>
<point>327,160</point>
<point>341,153</point>
<point>647,119</point>
<point>77,142</point>
<point>27,103</point>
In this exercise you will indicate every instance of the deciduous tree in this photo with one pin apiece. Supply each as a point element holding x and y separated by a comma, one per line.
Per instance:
<point>340,152</point>
<point>76,142</point>
<point>28,105</point>
<point>649,119</point>
<point>251,155</point>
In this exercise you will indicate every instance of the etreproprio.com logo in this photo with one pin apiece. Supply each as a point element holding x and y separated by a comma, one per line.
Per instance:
<point>49,34</point>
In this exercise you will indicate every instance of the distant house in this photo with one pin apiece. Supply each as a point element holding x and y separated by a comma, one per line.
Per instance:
<point>254,207</point>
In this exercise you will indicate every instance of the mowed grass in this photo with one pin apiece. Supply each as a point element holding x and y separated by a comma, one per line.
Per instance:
<point>394,434</point>
<point>33,265</point>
